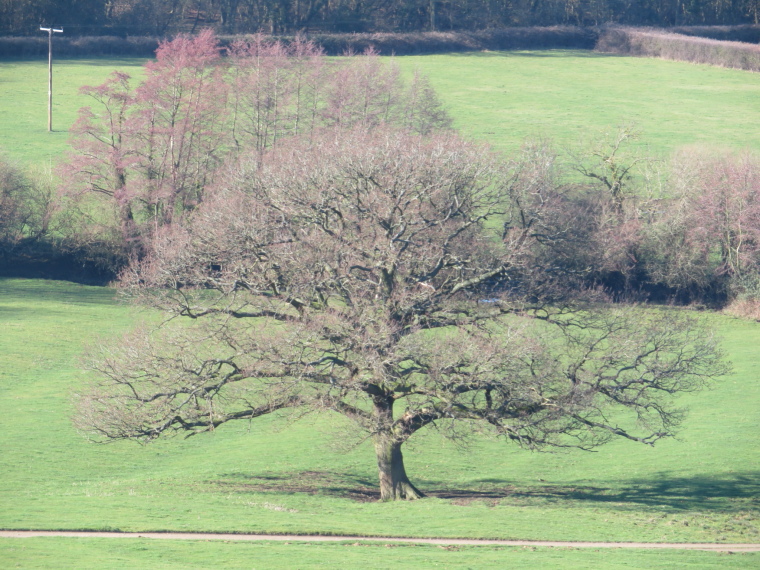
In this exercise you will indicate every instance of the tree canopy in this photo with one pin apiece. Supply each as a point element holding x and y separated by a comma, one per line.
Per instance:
<point>397,280</point>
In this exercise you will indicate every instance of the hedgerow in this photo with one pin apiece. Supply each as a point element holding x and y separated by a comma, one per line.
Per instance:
<point>667,45</point>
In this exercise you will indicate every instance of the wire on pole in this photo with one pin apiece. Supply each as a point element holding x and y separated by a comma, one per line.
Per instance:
<point>50,73</point>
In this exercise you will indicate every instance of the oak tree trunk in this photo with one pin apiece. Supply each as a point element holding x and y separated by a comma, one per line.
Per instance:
<point>394,484</point>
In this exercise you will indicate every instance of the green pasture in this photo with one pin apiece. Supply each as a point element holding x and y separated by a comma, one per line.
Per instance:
<point>500,97</point>
<point>314,476</point>
<point>572,96</point>
<point>24,103</point>
<point>64,553</point>
<point>277,476</point>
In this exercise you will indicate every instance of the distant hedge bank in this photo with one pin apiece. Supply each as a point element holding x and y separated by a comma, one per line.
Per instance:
<point>680,47</point>
<point>333,44</point>
<point>727,46</point>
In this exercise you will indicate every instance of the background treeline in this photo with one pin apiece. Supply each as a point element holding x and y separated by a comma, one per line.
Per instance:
<point>727,46</point>
<point>166,17</point>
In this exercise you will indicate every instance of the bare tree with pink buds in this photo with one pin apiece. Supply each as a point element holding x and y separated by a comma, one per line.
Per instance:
<point>278,90</point>
<point>704,238</point>
<point>727,212</point>
<point>149,154</point>
<point>179,128</point>
<point>391,279</point>
<point>100,157</point>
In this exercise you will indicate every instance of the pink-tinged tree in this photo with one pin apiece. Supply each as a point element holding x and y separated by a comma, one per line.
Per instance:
<point>706,237</point>
<point>146,155</point>
<point>277,90</point>
<point>282,90</point>
<point>422,111</point>
<point>100,157</point>
<point>151,153</point>
<point>393,280</point>
<point>727,211</point>
<point>179,127</point>
<point>309,73</point>
<point>365,92</point>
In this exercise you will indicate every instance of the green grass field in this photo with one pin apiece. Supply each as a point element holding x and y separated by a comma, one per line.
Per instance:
<point>500,97</point>
<point>164,554</point>
<point>24,99</point>
<point>272,476</point>
<point>572,96</point>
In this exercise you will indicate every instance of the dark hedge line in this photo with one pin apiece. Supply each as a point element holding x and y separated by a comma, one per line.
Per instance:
<point>668,45</point>
<point>333,44</point>
<point>554,37</point>
<point>91,46</point>
<point>50,259</point>
<point>746,33</point>
<point>612,39</point>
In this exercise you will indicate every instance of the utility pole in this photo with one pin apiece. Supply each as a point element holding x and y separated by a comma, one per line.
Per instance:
<point>50,73</point>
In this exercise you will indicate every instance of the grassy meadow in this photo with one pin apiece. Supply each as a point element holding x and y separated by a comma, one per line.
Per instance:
<point>572,96</point>
<point>276,476</point>
<point>24,103</point>
<point>164,554</point>
<point>499,97</point>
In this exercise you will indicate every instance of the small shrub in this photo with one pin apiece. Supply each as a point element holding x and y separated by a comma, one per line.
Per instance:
<point>26,208</point>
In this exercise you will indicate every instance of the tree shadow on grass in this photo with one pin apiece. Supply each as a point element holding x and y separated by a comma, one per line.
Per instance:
<point>729,493</point>
<point>726,494</point>
<point>341,485</point>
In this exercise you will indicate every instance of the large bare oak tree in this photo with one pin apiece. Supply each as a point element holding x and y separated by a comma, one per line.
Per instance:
<point>392,279</point>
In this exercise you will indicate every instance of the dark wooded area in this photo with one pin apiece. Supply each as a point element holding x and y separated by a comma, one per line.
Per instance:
<point>166,17</point>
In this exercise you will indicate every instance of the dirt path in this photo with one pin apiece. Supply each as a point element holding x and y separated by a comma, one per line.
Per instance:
<point>442,541</point>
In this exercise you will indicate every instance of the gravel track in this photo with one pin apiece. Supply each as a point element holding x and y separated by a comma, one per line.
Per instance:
<point>715,547</point>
